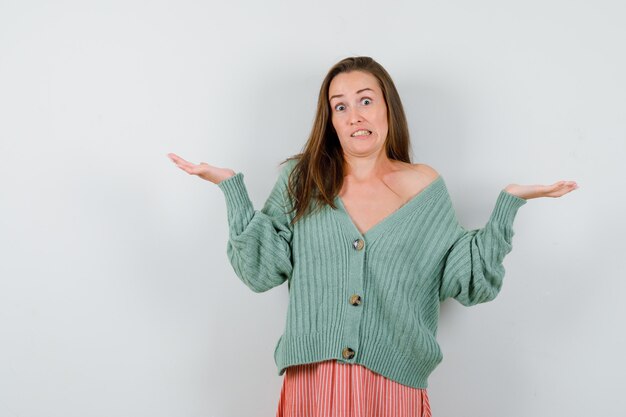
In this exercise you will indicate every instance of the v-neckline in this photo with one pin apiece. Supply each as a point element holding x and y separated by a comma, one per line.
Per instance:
<point>375,230</point>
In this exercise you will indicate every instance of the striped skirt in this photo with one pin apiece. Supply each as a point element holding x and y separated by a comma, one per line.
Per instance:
<point>334,389</point>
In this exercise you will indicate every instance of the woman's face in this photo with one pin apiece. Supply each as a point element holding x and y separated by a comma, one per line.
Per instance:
<point>358,112</point>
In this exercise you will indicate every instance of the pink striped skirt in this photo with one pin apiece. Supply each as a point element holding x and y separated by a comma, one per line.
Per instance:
<point>334,389</point>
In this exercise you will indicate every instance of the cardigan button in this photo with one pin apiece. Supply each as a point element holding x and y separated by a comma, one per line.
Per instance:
<point>358,244</point>
<point>355,300</point>
<point>348,353</point>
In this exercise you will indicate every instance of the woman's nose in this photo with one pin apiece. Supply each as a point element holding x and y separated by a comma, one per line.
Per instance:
<point>355,116</point>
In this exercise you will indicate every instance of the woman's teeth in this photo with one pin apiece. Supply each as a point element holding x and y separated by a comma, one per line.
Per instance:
<point>361,133</point>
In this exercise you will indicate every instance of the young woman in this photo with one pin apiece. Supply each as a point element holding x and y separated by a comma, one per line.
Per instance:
<point>370,245</point>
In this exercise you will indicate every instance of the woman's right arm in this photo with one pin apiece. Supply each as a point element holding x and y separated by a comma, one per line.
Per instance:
<point>259,243</point>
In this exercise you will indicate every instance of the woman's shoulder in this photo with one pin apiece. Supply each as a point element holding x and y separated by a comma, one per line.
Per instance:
<point>418,172</point>
<point>411,179</point>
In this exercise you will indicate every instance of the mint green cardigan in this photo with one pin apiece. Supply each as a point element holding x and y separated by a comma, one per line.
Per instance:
<point>370,299</point>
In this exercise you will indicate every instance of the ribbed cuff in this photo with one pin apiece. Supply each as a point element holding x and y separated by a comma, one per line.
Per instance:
<point>235,192</point>
<point>506,208</point>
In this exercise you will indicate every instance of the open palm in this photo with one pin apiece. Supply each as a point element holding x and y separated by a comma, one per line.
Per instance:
<point>202,170</point>
<point>535,191</point>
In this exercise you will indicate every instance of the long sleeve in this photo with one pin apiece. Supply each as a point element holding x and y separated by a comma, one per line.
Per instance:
<point>259,244</point>
<point>473,270</point>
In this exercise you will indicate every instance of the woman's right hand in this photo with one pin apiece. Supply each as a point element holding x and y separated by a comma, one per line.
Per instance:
<point>202,170</point>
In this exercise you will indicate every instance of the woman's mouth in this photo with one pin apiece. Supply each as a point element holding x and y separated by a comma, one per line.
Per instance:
<point>361,133</point>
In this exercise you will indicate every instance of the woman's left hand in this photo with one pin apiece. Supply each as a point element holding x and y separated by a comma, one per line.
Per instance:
<point>535,191</point>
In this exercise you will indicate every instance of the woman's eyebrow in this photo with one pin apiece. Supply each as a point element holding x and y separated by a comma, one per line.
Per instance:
<point>358,92</point>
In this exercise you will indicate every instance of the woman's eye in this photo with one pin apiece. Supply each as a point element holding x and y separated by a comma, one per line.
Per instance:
<point>366,101</point>
<point>339,107</point>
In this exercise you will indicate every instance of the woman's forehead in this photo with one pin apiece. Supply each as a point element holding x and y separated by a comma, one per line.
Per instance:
<point>352,82</point>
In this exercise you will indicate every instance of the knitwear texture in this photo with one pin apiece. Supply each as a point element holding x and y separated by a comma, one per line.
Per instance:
<point>402,268</point>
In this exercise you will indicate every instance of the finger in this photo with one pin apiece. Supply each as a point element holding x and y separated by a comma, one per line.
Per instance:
<point>184,164</point>
<point>188,170</point>
<point>559,185</point>
<point>196,169</point>
<point>173,157</point>
<point>562,188</point>
<point>566,186</point>
<point>178,160</point>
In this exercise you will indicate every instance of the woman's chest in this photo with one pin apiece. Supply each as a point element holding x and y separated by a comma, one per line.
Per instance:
<point>367,209</point>
<point>367,206</point>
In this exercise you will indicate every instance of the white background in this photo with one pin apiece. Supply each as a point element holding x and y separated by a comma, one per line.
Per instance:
<point>116,295</point>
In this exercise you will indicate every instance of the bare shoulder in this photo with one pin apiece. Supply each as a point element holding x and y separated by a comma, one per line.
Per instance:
<point>426,170</point>
<point>417,172</point>
<point>413,178</point>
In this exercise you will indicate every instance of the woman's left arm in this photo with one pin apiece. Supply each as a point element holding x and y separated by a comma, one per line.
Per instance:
<point>473,270</point>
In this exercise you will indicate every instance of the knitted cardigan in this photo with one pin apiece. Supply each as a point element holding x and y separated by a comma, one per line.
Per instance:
<point>371,299</point>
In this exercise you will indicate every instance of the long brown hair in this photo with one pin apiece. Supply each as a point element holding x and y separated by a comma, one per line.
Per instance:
<point>318,174</point>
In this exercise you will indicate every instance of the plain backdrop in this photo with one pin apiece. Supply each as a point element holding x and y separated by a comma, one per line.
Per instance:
<point>116,295</point>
